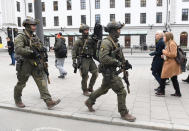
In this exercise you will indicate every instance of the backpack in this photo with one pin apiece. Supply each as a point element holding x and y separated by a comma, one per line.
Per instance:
<point>181,58</point>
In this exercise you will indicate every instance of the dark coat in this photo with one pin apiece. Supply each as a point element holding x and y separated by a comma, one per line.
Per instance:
<point>10,45</point>
<point>170,67</point>
<point>157,62</point>
<point>59,48</point>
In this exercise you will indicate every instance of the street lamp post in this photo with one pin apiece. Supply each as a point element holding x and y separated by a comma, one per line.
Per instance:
<point>90,12</point>
<point>38,16</point>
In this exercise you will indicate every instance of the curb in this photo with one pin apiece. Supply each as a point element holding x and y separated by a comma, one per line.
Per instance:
<point>101,119</point>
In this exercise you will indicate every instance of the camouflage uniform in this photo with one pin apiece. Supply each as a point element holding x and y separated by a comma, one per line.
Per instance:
<point>108,64</point>
<point>26,67</point>
<point>84,48</point>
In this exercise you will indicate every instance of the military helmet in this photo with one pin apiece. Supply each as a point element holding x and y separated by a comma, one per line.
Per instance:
<point>113,26</point>
<point>30,21</point>
<point>83,27</point>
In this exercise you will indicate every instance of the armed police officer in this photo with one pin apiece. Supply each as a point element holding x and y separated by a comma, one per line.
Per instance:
<point>32,61</point>
<point>109,61</point>
<point>83,53</point>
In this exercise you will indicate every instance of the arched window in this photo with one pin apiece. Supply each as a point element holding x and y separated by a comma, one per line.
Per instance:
<point>183,39</point>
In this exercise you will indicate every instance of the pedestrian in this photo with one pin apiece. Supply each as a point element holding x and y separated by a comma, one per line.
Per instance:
<point>83,55</point>
<point>171,69</point>
<point>157,62</point>
<point>10,46</point>
<point>32,61</point>
<point>60,54</point>
<point>108,64</point>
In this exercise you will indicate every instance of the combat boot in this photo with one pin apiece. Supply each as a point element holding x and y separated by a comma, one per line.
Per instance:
<point>128,117</point>
<point>50,103</point>
<point>20,104</point>
<point>89,106</point>
<point>86,93</point>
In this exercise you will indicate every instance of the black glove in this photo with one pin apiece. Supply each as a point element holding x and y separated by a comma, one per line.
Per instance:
<point>127,65</point>
<point>152,54</point>
<point>35,54</point>
<point>117,64</point>
<point>74,65</point>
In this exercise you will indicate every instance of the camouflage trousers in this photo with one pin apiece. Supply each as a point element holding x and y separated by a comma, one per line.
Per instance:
<point>88,65</point>
<point>39,77</point>
<point>115,83</point>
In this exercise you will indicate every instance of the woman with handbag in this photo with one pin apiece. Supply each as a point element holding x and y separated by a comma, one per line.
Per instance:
<point>171,69</point>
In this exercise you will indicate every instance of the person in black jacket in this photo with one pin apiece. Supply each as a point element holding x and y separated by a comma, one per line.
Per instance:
<point>60,54</point>
<point>157,62</point>
<point>10,46</point>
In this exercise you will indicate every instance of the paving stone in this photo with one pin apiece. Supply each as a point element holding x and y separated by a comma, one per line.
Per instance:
<point>151,111</point>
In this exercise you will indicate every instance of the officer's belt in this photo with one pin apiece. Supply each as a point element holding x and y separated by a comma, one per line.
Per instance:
<point>112,69</point>
<point>86,56</point>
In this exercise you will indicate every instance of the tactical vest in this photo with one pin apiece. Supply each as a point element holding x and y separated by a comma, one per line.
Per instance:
<point>86,47</point>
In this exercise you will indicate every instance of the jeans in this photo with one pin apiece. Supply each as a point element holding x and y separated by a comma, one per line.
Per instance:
<point>12,58</point>
<point>59,63</point>
<point>175,84</point>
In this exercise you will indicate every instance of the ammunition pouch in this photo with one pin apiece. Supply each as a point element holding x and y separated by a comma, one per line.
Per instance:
<point>107,72</point>
<point>79,61</point>
<point>19,64</point>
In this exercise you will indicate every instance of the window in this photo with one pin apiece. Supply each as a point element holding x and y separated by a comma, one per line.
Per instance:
<point>143,3</point>
<point>184,14</point>
<point>97,18</point>
<point>97,4</point>
<point>159,17</point>
<point>143,40</point>
<point>112,17</point>
<point>83,4</point>
<point>18,6</point>
<point>143,18</point>
<point>19,21</point>
<point>69,20</point>
<point>83,19</point>
<point>43,6</point>
<point>44,21</point>
<point>127,3</point>
<point>56,21</point>
<point>55,5</point>
<point>159,3</point>
<point>112,3</point>
<point>127,18</point>
<point>29,7</point>
<point>69,5</point>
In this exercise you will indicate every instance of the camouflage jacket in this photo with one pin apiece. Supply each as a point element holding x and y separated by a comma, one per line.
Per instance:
<point>105,54</point>
<point>23,45</point>
<point>83,47</point>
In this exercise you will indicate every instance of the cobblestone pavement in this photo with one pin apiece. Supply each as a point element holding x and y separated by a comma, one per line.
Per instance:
<point>152,112</point>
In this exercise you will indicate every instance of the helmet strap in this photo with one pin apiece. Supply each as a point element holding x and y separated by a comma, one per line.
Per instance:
<point>114,35</point>
<point>28,29</point>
